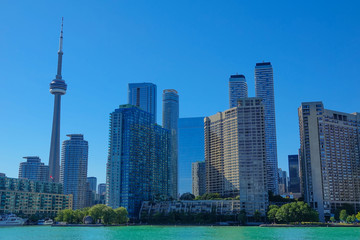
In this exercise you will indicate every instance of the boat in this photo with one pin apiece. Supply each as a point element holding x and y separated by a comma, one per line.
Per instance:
<point>11,220</point>
<point>45,222</point>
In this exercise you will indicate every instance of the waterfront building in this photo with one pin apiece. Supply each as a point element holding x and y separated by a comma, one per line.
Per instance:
<point>170,121</point>
<point>237,89</point>
<point>220,207</point>
<point>34,169</point>
<point>235,154</point>
<point>138,159</point>
<point>264,88</point>
<point>198,178</point>
<point>143,95</point>
<point>191,149</point>
<point>102,188</point>
<point>92,183</point>
<point>294,177</point>
<point>32,197</point>
<point>74,164</point>
<point>283,182</point>
<point>58,88</point>
<point>329,162</point>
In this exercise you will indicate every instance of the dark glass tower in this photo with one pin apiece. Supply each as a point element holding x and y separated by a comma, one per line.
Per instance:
<point>57,87</point>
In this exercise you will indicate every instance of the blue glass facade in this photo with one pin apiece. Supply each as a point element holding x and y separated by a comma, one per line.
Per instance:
<point>143,95</point>
<point>34,169</point>
<point>191,149</point>
<point>264,88</point>
<point>139,154</point>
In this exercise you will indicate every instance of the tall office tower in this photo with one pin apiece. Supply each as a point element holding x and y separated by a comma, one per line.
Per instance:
<point>191,149</point>
<point>139,154</point>
<point>264,88</point>
<point>294,182</point>
<point>198,173</point>
<point>57,88</point>
<point>235,154</point>
<point>34,169</point>
<point>237,89</point>
<point>74,164</point>
<point>283,184</point>
<point>329,149</point>
<point>170,121</point>
<point>92,183</point>
<point>102,188</point>
<point>143,95</point>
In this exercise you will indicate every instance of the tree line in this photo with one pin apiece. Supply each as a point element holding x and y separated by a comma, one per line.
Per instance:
<point>99,213</point>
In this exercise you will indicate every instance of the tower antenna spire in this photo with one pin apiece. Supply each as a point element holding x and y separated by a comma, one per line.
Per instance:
<point>60,52</point>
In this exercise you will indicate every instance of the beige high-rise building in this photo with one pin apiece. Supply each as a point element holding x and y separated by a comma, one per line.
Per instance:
<point>235,154</point>
<point>329,158</point>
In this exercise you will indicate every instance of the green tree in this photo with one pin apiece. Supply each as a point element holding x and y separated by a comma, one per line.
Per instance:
<point>272,213</point>
<point>121,215</point>
<point>242,217</point>
<point>296,212</point>
<point>68,216</point>
<point>343,215</point>
<point>257,216</point>
<point>332,219</point>
<point>96,212</point>
<point>187,196</point>
<point>358,216</point>
<point>108,215</point>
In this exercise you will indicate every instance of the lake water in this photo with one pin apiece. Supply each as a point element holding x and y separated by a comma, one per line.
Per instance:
<point>175,233</point>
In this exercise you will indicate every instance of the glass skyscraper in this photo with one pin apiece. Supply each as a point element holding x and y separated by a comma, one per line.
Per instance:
<point>34,169</point>
<point>74,165</point>
<point>92,183</point>
<point>191,149</point>
<point>237,89</point>
<point>143,95</point>
<point>170,121</point>
<point>264,88</point>
<point>138,160</point>
<point>294,184</point>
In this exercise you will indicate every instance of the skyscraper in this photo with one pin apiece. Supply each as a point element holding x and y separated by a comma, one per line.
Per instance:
<point>138,159</point>
<point>34,169</point>
<point>92,183</point>
<point>235,154</point>
<point>294,184</point>
<point>264,88</point>
<point>191,149</point>
<point>237,89</point>
<point>170,121</point>
<point>198,173</point>
<point>143,95</point>
<point>102,188</point>
<point>74,164</point>
<point>330,156</point>
<point>57,88</point>
<point>283,182</point>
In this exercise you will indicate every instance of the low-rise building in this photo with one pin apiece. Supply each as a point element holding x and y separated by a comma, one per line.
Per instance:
<point>220,207</point>
<point>31,197</point>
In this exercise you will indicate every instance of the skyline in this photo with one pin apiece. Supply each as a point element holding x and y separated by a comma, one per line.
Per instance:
<point>98,75</point>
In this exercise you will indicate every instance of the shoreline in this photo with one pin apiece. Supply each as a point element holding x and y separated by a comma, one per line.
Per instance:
<point>208,225</point>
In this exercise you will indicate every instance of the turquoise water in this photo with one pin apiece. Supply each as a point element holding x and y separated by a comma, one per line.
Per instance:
<point>175,233</point>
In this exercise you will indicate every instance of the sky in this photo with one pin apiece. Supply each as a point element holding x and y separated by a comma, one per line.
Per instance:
<point>190,46</point>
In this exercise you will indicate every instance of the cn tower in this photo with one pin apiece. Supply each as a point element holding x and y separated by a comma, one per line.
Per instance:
<point>57,88</point>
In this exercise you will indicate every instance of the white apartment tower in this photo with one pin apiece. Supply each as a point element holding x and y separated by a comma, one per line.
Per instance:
<point>329,158</point>
<point>235,154</point>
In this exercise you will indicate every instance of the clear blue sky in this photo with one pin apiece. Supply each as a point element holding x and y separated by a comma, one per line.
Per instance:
<point>191,46</point>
